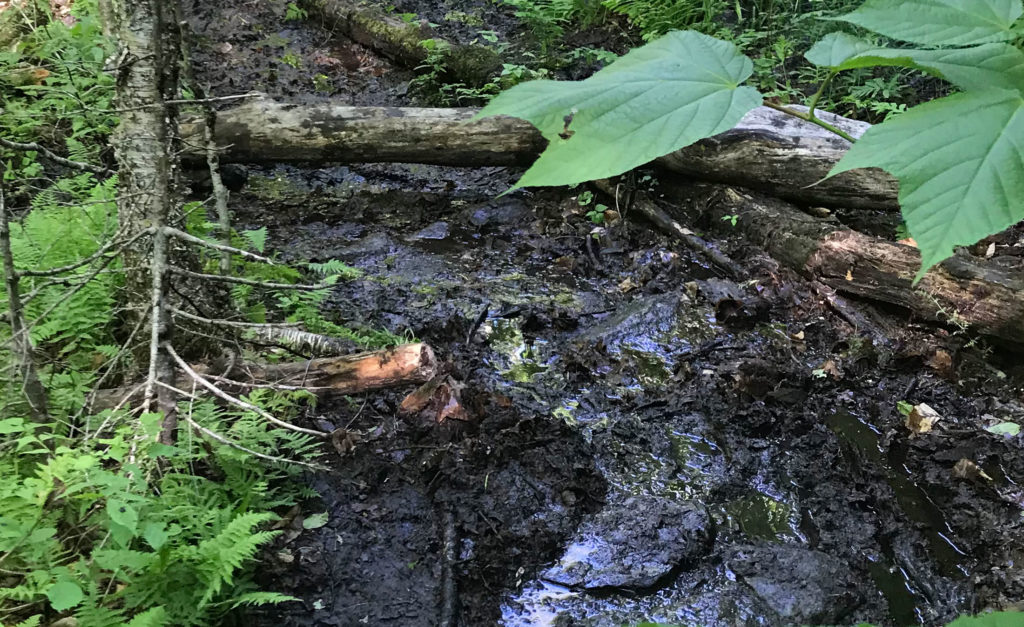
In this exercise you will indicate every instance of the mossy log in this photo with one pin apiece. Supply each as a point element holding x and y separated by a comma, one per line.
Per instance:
<point>768,150</point>
<point>961,291</point>
<point>402,41</point>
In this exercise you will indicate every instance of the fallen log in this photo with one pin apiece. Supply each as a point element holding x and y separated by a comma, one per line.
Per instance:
<point>403,42</point>
<point>768,150</point>
<point>961,291</point>
<point>262,131</point>
<point>349,374</point>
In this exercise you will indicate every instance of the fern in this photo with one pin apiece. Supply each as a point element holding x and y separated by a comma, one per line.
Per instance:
<point>153,617</point>
<point>219,557</point>
<point>654,18</point>
<point>254,599</point>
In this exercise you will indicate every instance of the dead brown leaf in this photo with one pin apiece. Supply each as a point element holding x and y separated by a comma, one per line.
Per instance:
<point>921,419</point>
<point>966,469</point>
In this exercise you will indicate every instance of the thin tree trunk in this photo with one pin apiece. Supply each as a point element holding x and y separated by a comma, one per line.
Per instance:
<point>25,366</point>
<point>149,37</point>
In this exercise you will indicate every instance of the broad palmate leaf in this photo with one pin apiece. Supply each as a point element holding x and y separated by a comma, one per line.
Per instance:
<point>960,164</point>
<point>939,22</point>
<point>656,99</point>
<point>979,67</point>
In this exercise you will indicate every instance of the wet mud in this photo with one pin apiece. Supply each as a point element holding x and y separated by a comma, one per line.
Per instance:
<point>636,448</point>
<point>639,438</point>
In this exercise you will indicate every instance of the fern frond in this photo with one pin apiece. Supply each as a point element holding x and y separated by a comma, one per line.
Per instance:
<point>153,617</point>
<point>254,599</point>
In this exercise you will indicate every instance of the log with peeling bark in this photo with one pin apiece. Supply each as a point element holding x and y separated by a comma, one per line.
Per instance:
<point>350,374</point>
<point>768,150</point>
<point>403,42</point>
<point>961,291</point>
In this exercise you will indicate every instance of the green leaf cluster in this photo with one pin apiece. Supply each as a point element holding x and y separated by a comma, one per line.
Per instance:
<point>959,159</point>
<point>96,532</point>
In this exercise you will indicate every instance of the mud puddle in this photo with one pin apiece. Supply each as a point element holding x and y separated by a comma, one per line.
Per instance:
<point>628,455</point>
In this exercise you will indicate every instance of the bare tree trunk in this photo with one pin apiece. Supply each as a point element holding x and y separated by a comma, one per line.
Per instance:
<point>32,388</point>
<point>150,41</point>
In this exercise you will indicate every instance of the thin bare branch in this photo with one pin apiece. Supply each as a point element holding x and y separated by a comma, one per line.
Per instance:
<point>185,237</point>
<point>237,401</point>
<point>113,247</point>
<point>241,281</point>
<point>52,156</point>
<point>223,440</point>
<point>235,323</point>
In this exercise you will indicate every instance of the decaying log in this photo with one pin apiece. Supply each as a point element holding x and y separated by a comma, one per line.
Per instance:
<point>960,291</point>
<point>350,374</point>
<point>670,226</point>
<point>262,131</point>
<point>402,41</point>
<point>787,157</point>
<point>768,150</point>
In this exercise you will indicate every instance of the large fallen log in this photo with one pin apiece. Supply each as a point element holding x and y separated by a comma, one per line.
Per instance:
<point>960,291</point>
<point>768,150</point>
<point>348,374</point>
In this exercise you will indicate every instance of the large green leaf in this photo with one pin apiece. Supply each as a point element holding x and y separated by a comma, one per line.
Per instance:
<point>656,99</point>
<point>939,22</point>
<point>978,67</point>
<point>958,161</point>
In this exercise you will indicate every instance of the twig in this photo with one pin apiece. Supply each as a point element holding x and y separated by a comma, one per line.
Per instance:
<point>185,237</point>
<point>235,323</point>
<point>449,599</point>
<point>237,401</point>
<point>241,281</point>
<point>223,440</point>
<point>104,250</point>
<point>52,156</point>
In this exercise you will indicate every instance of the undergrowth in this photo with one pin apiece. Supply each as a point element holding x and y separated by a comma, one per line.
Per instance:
<point>773,33</point>
<point>99,522</point>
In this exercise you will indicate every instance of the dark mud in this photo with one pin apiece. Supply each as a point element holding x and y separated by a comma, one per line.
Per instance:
<point>644,440</point>
<point>635,452</point>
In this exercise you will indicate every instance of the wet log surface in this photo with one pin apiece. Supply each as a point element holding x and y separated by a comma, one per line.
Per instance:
<point>768,150</point>
<point>959,291</point>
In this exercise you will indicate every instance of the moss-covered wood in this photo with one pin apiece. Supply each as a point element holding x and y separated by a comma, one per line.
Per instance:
<point>403,42</point>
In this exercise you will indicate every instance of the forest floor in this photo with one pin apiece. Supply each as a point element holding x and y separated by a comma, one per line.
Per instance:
<point>633,445</point>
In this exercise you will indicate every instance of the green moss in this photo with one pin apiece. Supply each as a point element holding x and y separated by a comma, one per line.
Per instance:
<point>274,188</point>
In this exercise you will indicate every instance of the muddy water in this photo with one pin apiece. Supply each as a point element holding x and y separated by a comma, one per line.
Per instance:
<point>634,453</point>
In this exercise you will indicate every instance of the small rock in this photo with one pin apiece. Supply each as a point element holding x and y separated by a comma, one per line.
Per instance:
<point>634,543</point>
<point>437,230</point>
<point>505,211</point>
<point>801,585</point>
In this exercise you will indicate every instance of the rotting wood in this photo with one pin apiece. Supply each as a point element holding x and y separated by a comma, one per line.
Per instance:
<point>263,130</point>
<point>403,42</point>
<point>767,150</point>
<point>670,226</point>
<point>349,374</point>
<point>961,291</point>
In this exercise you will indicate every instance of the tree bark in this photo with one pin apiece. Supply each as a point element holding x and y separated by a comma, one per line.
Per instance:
<point>262,130</point>
<point>21,344</point>
<point>144,143</point>
<point>960,291</point>
<point>768,150</point>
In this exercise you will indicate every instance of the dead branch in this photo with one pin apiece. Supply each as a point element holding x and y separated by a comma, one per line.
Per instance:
<point>237,401</point>
<point>198,241</point>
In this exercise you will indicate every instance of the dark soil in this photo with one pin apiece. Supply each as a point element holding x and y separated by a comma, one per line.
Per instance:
<point>634,447</point>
